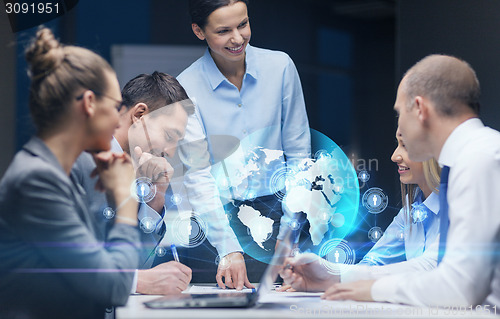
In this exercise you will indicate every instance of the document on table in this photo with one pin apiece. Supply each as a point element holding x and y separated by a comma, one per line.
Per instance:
<point>214,290</point>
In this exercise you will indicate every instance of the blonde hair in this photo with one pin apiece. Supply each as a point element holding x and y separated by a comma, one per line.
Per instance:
<point>56,73</point>
<point>432,173</point>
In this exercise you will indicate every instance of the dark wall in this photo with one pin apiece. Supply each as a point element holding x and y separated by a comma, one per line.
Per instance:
<point>345,60</point>
<point>347,69</point>
<point>466,29</point>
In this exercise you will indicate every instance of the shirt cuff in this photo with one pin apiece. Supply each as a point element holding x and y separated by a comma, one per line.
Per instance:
<point>384,289</point>
<point>229,246</point>
<point>145,211</point>
<point>133,290</point>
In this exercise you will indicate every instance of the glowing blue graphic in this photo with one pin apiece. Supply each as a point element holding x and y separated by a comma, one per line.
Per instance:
<point>401,235</point>
<point>147,225</point>
<point>375,200</point>
<point>295,252</point>
<point>325,188</point>
<point>259,227</point>
<point>223,263</point>
<point>143,190</point>
<point>364,176</point>
<point>336,251</point>
<point>294,224</point>
<point>280,180</point>
<point>223,183</point>
<point>108,213</point>
<point>250,195</point>
<point>322,153</point>
<point>189,229</point>
<point>324,217</point>
<point>160,251</point>
<point>418,213</point>
<point>337,220</point>
<point>375,233</point>
<point>176,199</point>
<point>247,172</point>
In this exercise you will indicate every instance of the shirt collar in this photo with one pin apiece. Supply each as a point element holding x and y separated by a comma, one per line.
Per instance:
<point>432,202</point>
<point>215,76</point>
<point>115,146</point>
<point>251,63</point>
<point>456,141</point>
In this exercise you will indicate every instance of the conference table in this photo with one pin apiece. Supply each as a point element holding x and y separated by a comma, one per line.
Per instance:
<point>300,305</point>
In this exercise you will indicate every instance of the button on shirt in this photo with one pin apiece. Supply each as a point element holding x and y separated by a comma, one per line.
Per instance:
<point>464,277</point>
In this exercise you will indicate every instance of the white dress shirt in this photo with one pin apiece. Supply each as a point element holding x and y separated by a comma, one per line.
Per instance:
<point>464,277</point>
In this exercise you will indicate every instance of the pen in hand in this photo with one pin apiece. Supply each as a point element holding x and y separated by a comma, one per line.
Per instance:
<point>174,252</point>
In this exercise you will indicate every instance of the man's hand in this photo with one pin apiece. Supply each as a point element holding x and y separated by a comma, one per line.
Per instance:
<point>166,278</point>
<point>357,290</point>
<point>306,273</point>
<point>159,170</point>
<point>232,268</point>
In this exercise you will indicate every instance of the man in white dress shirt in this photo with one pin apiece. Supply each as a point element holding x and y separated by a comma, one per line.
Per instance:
<point>438,106</point>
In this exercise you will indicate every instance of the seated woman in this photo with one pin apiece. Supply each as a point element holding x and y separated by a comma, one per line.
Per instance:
<point>52,265</point>
<point>409,242</point>
<point>416,226</point>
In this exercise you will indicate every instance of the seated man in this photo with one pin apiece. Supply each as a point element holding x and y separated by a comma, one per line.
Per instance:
<point>438,105</point>
<point>161,102</point>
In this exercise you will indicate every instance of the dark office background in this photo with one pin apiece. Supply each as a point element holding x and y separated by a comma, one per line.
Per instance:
<point>350,55</point>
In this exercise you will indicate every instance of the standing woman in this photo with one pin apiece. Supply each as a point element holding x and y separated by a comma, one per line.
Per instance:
<point>52,265</point>
<point>248,93</point>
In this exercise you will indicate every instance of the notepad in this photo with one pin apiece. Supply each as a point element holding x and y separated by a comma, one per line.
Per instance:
<point>215,290</point>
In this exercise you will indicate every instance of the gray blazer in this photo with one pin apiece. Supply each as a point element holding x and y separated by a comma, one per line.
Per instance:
<point>51,264</point>
<point>97,202</point>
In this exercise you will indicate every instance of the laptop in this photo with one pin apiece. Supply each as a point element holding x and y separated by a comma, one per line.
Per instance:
<point>236,299</point>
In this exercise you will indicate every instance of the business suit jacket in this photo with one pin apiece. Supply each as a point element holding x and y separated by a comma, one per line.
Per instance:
<point>97,202</point>
<point>51,264</point>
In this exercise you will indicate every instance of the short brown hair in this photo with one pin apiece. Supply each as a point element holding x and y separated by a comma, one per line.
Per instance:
<point>446,80</point>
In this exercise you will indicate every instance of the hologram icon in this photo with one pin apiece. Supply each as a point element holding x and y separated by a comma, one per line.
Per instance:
<point>143,190</point>
<point>108,213</point>
<point>375,200</point>
<point>176,199</point>
<point>336,251</point>
<point>147,225</point>
<point>375,233</point>
<point>418,213</point>
<point>363,176</point>
<point>160,251</point>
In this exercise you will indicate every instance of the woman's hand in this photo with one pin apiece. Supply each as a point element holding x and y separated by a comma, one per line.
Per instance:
<point>306,273</point>
<point>116,176</point>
